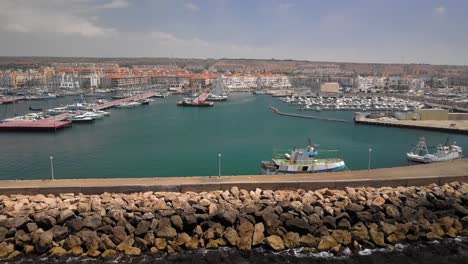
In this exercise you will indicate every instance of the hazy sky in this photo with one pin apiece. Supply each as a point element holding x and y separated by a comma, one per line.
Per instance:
<point>420,31</point>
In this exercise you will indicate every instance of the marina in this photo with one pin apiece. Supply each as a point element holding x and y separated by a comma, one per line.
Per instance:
<point>352,102</point>
<point>61,117</point>
<point>139,142</point>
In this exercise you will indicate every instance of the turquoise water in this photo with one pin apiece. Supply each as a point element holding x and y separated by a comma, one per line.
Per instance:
<point>161,140</point>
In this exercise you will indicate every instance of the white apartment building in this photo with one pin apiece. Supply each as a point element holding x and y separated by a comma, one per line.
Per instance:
<point>239,82</point>
<point>273,81</point>
<point>242,82</point>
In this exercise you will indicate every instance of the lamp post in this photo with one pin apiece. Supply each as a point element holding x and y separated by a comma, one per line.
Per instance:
<point>368,166</point>
<point>52,167</point>
<point>219,165</point>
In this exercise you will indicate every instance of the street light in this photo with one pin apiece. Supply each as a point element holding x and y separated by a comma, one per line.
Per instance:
<point>219,165</point>
<point>52,167</point>
<point>368,166</point>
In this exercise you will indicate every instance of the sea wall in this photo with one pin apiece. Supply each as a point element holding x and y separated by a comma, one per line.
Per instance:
<point>112,224</point>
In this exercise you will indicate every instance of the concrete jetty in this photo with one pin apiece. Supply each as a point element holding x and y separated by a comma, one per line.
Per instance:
<point>276,111</point>
<point>453,126</point>
<point>416,175</point>
<point>128,99</point>
<point>47,124</point>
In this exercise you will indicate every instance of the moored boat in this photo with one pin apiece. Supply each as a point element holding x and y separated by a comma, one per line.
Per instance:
<point>128,104</point>
<point>301,161</point>
<point>444,152</point>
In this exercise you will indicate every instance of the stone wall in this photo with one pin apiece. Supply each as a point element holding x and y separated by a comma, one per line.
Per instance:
<point>111,224</point>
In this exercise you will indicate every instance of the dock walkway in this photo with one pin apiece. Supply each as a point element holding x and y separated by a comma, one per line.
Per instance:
<point>128,99</point>
<point>48,124</point>
<point>276,111</point>
<point>454,126</point>
<point>439,173</point>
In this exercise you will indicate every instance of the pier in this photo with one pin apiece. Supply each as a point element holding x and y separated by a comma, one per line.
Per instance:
<point>417,175</point>
<point>453,126</point>
<point>128,99</point>
<point>276,111</point>
<point>48,124</point>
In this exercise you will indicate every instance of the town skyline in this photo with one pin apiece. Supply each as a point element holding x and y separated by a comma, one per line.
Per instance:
<point>426,32</point>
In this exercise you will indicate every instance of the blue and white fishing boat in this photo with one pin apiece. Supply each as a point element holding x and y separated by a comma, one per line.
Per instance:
<point>301,161</point>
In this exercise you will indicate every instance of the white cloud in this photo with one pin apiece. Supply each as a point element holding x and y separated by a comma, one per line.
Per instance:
<point>17,28</point>
<point>74,17</point>
<point>192,6</point>
<point>115,4</point>
<point>440,10</point>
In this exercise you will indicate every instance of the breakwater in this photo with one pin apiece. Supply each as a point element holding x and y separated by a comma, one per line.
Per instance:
<point>278,112</point>
<point>439,173</point>
<point>113,224</point>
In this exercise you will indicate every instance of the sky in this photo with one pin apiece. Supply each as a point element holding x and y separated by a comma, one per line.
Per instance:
<point>380,31</point>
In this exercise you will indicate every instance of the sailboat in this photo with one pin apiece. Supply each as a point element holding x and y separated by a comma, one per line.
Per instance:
<point>218,93</point>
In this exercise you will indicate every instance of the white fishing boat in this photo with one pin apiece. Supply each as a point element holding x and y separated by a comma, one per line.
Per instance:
<point>444,152</point>
<point>301,161</point>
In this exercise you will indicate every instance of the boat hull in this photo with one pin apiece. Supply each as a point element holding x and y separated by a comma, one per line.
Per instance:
<point>195,105</point>
<point>317,168</point>
<point>430,158</point>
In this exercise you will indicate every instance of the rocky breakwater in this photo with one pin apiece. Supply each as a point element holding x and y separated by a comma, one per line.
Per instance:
<point>322,220</point>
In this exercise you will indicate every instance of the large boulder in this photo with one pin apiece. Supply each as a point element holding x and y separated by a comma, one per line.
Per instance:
<point>342,236</point>
<point>75,224</point>
<point>44,242</point>
<point>327,243</point>
<point>119,234</point>
<point>291,240</point>
<point>107,243</point>
<point>22,238</point>
<point>258,235</point>
<point>231,236</point>
<point>167,232</point>
<point>275,242</point>
<point>308,241</point>
<point>89,238</point>
<point>298,225</point>
<point>59,232</point>
<point>359,232</point>
<point>46,222</point>
<point>377,237</point>
<point>71,242</point>
<point>392,211</point>
<point>228,217</point>
<point>142,228</point>
<point>177,222</point>
<point>329,222</point>
<point>21,222</point>
<point>92,222</point>
<point>65,215</point>
<point>353,208</point>
<point>57,252</point>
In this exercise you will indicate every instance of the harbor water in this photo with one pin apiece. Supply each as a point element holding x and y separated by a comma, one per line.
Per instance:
<point>164,140</point>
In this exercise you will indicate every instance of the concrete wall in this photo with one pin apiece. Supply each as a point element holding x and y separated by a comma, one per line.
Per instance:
<point>458,116</point>
<point>432,114</point>
<point>250,186</point>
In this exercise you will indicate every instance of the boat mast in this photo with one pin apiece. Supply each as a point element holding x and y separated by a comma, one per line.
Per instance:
<point>421,147</point>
